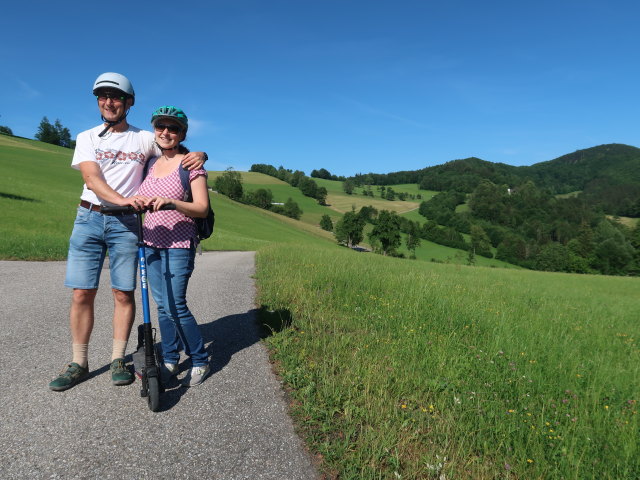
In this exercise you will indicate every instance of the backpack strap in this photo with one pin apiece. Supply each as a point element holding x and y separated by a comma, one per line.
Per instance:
<point>186,184</point>
<point>147,167</point>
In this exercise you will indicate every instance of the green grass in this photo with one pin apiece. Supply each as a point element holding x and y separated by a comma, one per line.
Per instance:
<point>38,194</point>
<point>396,366</point>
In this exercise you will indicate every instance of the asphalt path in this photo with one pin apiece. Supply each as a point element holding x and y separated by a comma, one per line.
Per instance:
<point>233,426</point>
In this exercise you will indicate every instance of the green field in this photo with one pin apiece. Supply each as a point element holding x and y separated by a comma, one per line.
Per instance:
<point>402,369</point>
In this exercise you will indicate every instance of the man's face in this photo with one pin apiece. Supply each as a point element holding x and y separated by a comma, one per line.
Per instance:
<point>112,104</point>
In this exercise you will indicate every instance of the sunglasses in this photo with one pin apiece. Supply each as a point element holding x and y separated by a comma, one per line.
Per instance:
<point>115,96</point>
<point>160,127</point>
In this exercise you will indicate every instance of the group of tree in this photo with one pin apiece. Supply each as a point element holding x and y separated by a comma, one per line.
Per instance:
<point>298,179</point>
<point>5,130</point>
<point>386,235</point>
<point>55,134</point>
<point>531,227</point>
<point>607,176</point>
<point>230,184</point>
<point>326,175</point>
<point>386,192</point>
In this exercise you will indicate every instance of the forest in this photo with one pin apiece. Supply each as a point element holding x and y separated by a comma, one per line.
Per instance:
<point>561,215</point>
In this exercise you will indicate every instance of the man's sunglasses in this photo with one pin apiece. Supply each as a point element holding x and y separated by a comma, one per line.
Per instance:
<point>160,127</point>
<point>115,96</point>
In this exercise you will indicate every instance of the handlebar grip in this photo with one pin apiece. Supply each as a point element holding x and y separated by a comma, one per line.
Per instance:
<point>111,209</point>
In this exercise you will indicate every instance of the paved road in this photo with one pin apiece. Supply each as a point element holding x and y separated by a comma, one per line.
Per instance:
<point>233,426</point>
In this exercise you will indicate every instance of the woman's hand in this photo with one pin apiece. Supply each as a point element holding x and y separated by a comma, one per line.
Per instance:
<point>156,203</point>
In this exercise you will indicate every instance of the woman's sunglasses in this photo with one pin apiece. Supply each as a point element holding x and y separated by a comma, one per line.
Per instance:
<point>160,127</point>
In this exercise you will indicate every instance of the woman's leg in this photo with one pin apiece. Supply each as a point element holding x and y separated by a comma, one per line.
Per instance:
<point>156,276</point>
<point>178,266</point>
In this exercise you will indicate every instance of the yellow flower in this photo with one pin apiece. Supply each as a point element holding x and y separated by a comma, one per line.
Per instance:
<point>529,460</point>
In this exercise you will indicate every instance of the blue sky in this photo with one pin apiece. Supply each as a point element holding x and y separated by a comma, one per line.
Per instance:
<point>350,86</point>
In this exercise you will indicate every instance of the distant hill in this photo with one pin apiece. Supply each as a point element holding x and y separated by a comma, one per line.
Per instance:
<point>607,175</point>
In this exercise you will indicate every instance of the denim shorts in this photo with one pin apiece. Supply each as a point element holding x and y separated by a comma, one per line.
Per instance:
<point>93,235</point>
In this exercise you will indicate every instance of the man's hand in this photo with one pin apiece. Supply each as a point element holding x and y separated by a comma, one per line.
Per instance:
<point>137,201</point>
<point>194,160</point>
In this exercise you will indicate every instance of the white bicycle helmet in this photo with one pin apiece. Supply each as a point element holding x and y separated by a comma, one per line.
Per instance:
<point>115,81</point>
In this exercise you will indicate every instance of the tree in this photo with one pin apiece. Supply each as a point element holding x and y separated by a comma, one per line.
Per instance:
<point>308,187</point>
<point>291,209</point>
<point>5,130</point>
<point>480,242</point>
<point>348,186</point>
<point>47,132</point>
<point>64,136</point>
<point>230,184</point>
<point>261,198</point>
<point>413,238</point>
<point>322,173</point>
<point>387,231</point>
<point>326,223</point>
<point>348,230</point>
<point>55,134</point>
<point>321,195</point>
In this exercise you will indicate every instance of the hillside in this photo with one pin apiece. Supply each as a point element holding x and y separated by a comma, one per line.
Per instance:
<point>39,193</point>
<point>607,175</point>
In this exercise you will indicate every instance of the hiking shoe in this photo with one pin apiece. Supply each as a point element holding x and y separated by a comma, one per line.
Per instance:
<point>196,376</point>
<point>120,374</point>
<point>72,375</point>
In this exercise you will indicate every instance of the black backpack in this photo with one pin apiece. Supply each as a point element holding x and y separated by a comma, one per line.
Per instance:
<point>203,225</point>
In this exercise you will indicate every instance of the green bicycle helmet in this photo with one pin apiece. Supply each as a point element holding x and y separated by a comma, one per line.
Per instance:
<point>174,113</point>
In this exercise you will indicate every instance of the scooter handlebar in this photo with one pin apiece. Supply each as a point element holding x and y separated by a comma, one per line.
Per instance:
<point>114,209</point>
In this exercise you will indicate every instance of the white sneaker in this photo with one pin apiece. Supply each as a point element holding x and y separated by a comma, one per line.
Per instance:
<point>172,368</point>
<point>168,373</point>
<point>196,376</point>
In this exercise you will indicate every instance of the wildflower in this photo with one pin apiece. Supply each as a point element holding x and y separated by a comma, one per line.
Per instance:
<point>510,411</point>
<point>529,460</point>
<point>606,407</point>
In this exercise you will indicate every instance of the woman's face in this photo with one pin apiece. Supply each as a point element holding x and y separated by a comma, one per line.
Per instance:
<point>168,133</point>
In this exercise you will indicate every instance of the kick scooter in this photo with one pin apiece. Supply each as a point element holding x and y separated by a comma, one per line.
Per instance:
<point>145,359</point>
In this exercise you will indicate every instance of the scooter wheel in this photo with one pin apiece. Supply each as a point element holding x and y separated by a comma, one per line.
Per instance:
<point>153,397</point>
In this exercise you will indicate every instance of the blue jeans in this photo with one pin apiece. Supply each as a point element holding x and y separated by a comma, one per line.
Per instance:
<point>93,234</point>
<point>168,271</point>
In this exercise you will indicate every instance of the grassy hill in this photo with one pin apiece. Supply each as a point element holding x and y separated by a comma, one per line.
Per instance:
<point>406,369</point>
<point>339,203</point>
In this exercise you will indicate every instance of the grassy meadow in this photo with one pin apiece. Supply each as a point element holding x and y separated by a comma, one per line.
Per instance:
<point>410,370</point>
<point>402,369</point>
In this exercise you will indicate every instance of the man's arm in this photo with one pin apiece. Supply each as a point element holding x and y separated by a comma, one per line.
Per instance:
<point>194,160</point>
<point>95,181</point>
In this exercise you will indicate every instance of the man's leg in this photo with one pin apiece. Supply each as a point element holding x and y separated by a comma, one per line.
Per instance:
<point>81,320</point>
<point>124,313</point>
<point>123,261</point>
<point>84,263</point>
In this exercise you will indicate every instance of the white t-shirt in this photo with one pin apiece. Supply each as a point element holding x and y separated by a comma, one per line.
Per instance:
<point>121,157</point>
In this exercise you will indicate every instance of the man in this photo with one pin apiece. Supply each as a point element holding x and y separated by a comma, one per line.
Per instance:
<point>111,159</point>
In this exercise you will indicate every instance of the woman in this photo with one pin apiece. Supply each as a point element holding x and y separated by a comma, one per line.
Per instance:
<point>170,238</point>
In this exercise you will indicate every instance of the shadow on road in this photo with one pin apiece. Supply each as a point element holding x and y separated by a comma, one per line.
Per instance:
<point>223,338</point>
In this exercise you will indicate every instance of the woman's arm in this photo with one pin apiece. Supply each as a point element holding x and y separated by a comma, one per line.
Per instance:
<point>198,208</point>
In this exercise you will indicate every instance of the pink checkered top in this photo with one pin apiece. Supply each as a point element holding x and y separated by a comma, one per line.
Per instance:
<point>168,228</point>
